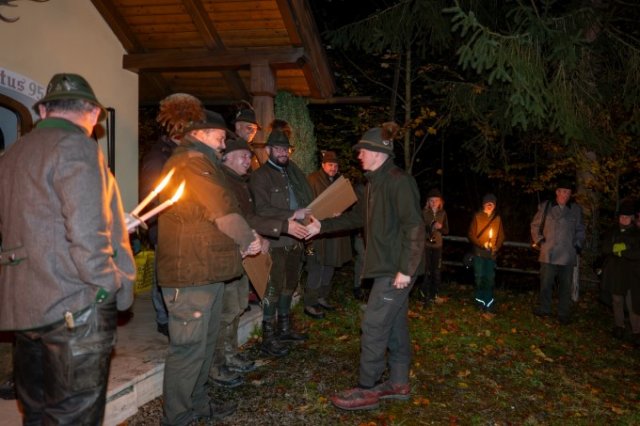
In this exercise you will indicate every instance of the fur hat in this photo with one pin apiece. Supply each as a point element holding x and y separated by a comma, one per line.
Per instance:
<point>329,157</point>
<point>179,110</point>
<point>379,139</point>
<point>489,198</point>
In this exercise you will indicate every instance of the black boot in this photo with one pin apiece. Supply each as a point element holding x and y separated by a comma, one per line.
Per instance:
<point>286,333</point>
<point>270,345</point>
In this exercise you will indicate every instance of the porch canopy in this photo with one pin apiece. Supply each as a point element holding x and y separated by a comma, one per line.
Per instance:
<point>221,51</point>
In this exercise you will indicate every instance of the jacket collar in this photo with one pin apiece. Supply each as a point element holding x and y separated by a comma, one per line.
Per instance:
<point>59,123</point>
<point>380,171</point>
<point>191,143</point>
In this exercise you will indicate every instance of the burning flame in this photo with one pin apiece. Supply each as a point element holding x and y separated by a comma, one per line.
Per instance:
<point>178,193</point>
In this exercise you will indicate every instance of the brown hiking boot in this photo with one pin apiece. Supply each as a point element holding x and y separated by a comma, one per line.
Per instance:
<point>388,390</point>
<point>356,399</point>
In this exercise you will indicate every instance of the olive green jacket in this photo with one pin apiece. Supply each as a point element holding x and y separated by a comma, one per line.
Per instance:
<point>391,215</point>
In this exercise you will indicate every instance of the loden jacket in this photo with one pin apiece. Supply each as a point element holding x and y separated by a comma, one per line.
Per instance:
<point>393,229</point>
<point>62,227</point>
<point>563,233</point>
<point>479,223</point>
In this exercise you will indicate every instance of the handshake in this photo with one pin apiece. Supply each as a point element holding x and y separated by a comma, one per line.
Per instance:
<point>618,248</point>
<point>300,231</point>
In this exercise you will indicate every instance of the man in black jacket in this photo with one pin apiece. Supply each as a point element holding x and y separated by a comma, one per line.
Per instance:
<point>394,235</point>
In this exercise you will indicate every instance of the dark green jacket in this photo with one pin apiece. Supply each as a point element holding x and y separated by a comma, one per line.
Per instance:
<point>390,213</point>
<point>621,274</point>
<point>270,187</point>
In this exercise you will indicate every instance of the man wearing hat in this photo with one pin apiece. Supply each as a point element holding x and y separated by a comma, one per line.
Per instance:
<point>67,266</point>
<point>486,235</point>
<point>621,272</point>
<point>327,252</point>
<point>176,111</point>
<point>281,191</point>
<point>394,235</point>
<point>201,242</point>
<point>228,362</point>
<point>557,229</point>
<point>435,219</point>
<point>246,127</point>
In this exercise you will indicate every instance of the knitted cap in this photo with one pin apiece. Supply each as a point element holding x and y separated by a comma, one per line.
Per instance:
<point>489,198</point>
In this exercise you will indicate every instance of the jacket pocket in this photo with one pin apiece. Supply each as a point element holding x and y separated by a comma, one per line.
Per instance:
<point>13,256</point>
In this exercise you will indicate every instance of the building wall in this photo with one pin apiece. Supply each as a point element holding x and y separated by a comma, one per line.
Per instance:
<point>71,36</point>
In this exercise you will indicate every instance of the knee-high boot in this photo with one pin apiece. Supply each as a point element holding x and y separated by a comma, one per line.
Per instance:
<point>286,332</point>
<point>270,345</point>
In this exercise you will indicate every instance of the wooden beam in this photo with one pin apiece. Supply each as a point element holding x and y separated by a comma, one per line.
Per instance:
<point>118,25</point>
<point>212,40</point>
<point>190,60</point>
<point>289,22</point>
<point>318,72</point>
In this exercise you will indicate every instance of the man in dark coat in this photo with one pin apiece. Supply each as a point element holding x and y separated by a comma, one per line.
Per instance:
<point>176,111</point>
<point>281,190</point>
<point>394,235</point>
<point>201,241</point>
<point>621,272</point>
<point>66,261</point>
<point>328,252</point>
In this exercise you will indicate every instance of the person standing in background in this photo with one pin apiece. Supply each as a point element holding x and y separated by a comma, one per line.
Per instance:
<point>557,229</point>
<point>326,253</point>
<point>486,235</point>
<point>435,218</point>
<point>621,272</point>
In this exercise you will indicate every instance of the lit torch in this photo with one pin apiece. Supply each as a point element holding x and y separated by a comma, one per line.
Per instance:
<point>171,201</point>
<point>154,193</point>
<point>490,237</point>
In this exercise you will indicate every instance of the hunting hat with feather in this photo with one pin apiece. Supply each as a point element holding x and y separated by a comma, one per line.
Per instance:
<point>247,114</point>
<point>379,139</point>
<point>178,111</point>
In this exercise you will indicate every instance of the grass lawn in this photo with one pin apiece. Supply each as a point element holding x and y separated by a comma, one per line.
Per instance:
<point>469,368</point>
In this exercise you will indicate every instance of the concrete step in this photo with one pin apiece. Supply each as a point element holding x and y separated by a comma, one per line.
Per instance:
<point>137,366</point>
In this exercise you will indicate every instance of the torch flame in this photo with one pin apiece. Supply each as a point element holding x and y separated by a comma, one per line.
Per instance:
<point>491,233</point>
<point>178,193</point>
<point>164,182</point>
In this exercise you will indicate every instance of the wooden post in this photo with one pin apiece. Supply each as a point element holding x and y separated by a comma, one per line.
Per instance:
<point>263,89</point>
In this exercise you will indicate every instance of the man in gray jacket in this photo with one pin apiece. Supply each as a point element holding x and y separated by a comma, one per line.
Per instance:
<point>66,260</point>
<point>558,230</point>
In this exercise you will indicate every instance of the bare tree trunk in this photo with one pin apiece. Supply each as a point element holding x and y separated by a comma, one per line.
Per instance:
<point>408,164</point>
<point>394,91</point>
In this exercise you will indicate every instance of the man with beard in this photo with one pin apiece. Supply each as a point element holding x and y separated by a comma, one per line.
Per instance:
<point>394,235</point>
<point>281,191</point>
<point>201,242</point>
